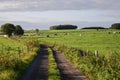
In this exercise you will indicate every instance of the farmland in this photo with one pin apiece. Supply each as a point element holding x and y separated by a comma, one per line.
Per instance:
<point>78,46</point>
<point>87,40</point>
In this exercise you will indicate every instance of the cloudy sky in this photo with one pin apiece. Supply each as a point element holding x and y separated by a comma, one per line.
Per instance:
<point>41,14</point>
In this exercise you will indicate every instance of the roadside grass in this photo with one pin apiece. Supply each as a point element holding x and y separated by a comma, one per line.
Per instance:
<point>94,67</point>
<point>15,57</point>
<point>53,72</point>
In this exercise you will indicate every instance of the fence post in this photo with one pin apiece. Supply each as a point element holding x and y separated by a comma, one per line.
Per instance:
<point>96,53</point>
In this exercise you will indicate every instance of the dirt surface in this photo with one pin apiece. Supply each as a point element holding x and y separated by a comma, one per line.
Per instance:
<point>67,69</point>
<point>38,70</point>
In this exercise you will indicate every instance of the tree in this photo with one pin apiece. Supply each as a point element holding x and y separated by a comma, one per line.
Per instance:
<point>93,28</point>
<point>115,26</point>
<point>18,30</point>
<point>8,29</point>
<point>37,31</point>
<point>62,27</point>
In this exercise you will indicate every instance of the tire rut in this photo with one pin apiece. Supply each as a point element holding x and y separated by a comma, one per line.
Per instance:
<point>38,70</point>
<point>67,69</point>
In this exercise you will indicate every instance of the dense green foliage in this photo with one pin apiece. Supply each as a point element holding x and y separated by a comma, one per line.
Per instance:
<point>8,29</point>
<point>93,28</point>
<point>115,26</point>
<point>62,27</point>
<point>15,56</point>
<point>18,30</point>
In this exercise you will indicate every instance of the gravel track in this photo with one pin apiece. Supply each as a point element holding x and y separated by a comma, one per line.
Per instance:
<point>67,70</point>
<point>38,70</point>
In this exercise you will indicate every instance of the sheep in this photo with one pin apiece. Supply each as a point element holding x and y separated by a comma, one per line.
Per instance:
<point>48,36</point>
<point>5,35</point>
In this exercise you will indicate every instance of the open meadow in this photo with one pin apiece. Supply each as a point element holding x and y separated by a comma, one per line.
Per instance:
<point>105,41</point>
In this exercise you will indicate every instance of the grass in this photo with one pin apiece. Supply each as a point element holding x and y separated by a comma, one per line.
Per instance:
<point>94,67</point>
<point>73,43</point>
<point>14,56</point>
<point>90,40</point>
<point>53,72</point>
<point>18,52</point>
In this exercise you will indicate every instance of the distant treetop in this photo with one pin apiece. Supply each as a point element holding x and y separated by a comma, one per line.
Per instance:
<point>62,27</point>
<point>115,26</point>
<point>93,28</point>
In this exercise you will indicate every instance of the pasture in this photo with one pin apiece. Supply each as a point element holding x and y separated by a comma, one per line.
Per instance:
<point>17,52</point>
<point>79,46</point>
<point>105,41</point>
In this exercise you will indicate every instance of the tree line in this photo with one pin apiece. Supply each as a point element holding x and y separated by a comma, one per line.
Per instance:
<point>93,28</point>
<point>11,29</point>
<point>61,27</point>
<point>113,26</point>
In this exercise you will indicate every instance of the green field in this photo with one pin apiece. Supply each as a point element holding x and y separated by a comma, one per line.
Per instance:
<point>73,43</point>
<point>17,52</point>
<point>87,40</point>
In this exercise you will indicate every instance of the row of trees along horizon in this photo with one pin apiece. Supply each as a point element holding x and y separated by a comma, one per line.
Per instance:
<point>10,29</point>
<point>62,27</point>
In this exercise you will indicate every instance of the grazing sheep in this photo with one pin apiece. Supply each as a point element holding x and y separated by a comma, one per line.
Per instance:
<point>109,32</point>
<point>80,35</point>
<point>114,32</point>
<point>55,34</point>
<point>67,33</point>
<point>5,35</point>
<point>48,36</point>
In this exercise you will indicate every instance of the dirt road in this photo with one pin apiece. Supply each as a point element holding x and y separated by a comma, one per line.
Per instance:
<point>38,70</point>
<point>67,69</point>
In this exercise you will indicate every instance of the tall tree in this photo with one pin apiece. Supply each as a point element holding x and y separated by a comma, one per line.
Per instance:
<point>18,30</point>
<point>8,29</point>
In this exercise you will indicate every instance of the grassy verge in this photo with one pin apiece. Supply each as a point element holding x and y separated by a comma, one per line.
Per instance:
<point>95,67</point>
<point>15,57</point>
<point>53,72</point>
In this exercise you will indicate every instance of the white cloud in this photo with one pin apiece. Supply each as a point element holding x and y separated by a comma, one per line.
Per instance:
<point>50,12</point>
<point>40,5</point>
